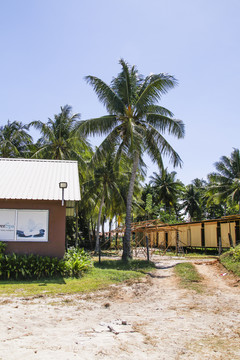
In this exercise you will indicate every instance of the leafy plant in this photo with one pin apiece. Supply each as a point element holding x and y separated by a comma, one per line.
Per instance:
<point>76,261</point>
<point>231,260</point>
<point>14,266</point>
<point>2,247</point>
<point>233,253</point>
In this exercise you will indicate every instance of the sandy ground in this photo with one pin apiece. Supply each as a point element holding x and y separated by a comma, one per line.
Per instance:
<point>148,319</point>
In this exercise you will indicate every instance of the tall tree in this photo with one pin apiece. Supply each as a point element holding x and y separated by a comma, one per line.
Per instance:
<point>14,140</point>
<point>225,183</point>
<point>136,123</point>
<point>167,188</point>
<point>102,189</point>
<point>191,202</point>
<point>60,139</point>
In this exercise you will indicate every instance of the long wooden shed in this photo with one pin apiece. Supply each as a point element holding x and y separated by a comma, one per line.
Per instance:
<point>203,234</point>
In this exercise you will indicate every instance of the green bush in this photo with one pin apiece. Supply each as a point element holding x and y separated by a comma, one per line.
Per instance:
<point>233,253</point>
<point>76,262</point>
<point>14,266</point>
<point>236,254</point>
<point>2,247</point>
<point>231,260</point>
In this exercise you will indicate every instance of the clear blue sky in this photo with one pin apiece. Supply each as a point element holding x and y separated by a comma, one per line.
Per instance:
<point>48,46</point>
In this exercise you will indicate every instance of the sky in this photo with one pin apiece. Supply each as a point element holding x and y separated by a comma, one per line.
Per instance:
<point>48,46</point>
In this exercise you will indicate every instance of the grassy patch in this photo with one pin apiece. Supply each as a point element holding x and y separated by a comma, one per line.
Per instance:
<point>189,277</point>
<point>135,265</point>
<point>216,347</point>
<point>100,276</point>
<point>231,260</point>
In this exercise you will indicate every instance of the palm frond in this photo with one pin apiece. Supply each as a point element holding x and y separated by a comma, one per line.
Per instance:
<point>107,146</point>
<point>98,126</point>
<point>164,148</point>
<point>106,95</point>
<point>156,109</point>
<point>126,83</point>
<point>152,89</point>
<point>162,123</point>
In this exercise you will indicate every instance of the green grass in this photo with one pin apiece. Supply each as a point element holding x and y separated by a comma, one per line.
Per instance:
<point>100,276</point>
<point>189,277</point>
<point>231,266</point>
<point>231,263</point>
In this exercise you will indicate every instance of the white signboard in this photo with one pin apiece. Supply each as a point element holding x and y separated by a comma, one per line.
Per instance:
<point>23,225</point>
<point>32,225</point>
<point>7,224</point>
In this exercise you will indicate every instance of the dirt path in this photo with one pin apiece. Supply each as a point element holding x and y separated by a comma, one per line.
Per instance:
<point>150,319</point>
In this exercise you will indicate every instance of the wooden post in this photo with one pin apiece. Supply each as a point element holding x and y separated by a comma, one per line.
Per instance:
<point>76,234</point>
<point>147,245</point>
<point>230,239</point>
<point>116,240</point>
<point>177,242</point>
<point>99,252</point>
<point>219,246</point>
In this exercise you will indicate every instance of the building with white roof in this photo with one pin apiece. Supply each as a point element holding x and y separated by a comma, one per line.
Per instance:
<point>33,207</point>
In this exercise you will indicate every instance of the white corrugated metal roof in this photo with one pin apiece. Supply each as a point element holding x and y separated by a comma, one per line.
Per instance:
<point>38,179</point>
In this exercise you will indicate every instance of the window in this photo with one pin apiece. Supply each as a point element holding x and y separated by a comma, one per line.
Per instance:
<point>23,225</point>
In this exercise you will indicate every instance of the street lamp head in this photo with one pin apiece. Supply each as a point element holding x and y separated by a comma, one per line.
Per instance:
<point>63,185</point>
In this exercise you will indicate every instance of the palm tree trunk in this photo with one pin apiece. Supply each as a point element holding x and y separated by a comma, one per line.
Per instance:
<point>93,234</point>
<point>116,241</point>
<point>110,235</point>
<point>103,232</point>
<point>97,247</point>
<point>127,236</point>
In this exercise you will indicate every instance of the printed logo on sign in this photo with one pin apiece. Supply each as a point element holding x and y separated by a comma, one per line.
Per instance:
<point>7,226</point>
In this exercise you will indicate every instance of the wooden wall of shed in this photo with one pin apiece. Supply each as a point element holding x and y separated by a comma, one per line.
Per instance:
<point>183,235</point>
<point>190,234</point>
<point>152,237</point>
<point>210,230</point>
<point>224,234</point>
<point>233,232</point>
<point>161,239</point>
<point>227,228</point>
<point>195,231</point>
<point>172,237</point>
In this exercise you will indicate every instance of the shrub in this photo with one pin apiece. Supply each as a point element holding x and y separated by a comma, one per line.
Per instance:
<point>2,247</point>
<point>76,262</point>
<point>236,254</point>
<point>16,266</point>
<point>233,253</point>
<point>231,260</point>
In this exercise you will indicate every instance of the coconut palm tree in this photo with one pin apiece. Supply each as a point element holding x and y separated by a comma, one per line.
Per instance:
<point>225,183</point>
<point>135,123</point>
<point>102,189</point>
<point>59,138</point>
<point>191,202</point>
<point>166,187</point>
<point>14,140</point>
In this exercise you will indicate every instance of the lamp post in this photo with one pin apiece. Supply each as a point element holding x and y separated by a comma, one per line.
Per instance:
<point>63,185</point>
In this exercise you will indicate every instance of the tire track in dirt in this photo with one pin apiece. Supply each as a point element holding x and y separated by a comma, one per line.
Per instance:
<point>221,299</point>
<point>216,276</point>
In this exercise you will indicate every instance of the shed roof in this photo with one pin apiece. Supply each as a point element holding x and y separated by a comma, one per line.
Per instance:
<point>35,179</point>
<point>156,225</point>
